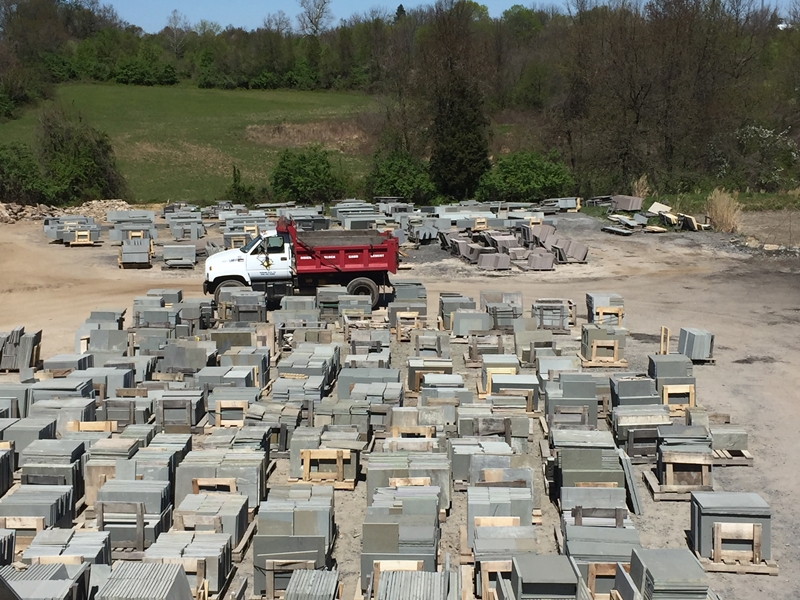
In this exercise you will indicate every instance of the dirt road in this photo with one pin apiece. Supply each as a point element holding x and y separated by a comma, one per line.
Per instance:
<point>751,302</point>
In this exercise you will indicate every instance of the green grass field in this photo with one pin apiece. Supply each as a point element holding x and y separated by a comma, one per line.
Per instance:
<point>180,143</point>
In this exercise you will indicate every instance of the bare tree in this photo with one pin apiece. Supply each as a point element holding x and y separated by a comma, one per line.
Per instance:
<point>278,23</point>
<point>176,31</point>
<point>314,17</point>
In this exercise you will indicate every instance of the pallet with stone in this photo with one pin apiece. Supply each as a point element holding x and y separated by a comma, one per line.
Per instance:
<point>745,561</point>
<point>678,410</point>
<point>733,458</point>
<point>81,238</point>
<point>334,478</point>
<point>608,362</point>
<point>26,529</point>
<point>197,567</point>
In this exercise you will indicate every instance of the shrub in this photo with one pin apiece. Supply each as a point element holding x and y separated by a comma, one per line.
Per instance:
<point>524,176</point>
<point>724,210</point>
<point>77,160</point>
<point>306,176</point>
<point>20,178</point>
<point>400,174</point>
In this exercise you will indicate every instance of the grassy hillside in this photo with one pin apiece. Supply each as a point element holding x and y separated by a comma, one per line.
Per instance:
<point>179,143</point>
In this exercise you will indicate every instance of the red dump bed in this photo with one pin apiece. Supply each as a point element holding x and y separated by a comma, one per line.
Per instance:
<point>318,252</point>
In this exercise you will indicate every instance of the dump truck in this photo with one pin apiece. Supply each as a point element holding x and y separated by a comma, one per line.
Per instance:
<point>284,261</point>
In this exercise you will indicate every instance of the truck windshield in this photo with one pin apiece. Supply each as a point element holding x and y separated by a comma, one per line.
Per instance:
<point>251,244</point>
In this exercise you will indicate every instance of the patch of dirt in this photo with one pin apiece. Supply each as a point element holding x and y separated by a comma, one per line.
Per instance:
<point>781,227</point>
<point>346,136</point>
<point>207,157</point>
<point>755,359</point>
<point>649,338</point>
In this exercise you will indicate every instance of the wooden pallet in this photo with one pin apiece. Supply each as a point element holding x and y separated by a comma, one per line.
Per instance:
<point>738,567</point>
<point>241,549</point>
<point>733,458</point>
<point>466,556</point>
<point>601,363</point>
<point>662,493</point>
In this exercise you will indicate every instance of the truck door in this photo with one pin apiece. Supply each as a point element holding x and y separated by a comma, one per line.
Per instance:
<point>269,260</point>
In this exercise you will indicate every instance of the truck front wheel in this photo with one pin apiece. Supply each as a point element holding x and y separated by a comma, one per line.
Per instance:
<point>364,287</point>
<point>228,283</point>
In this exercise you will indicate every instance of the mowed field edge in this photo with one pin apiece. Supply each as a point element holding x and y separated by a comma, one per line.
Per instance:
<point>180,143</point>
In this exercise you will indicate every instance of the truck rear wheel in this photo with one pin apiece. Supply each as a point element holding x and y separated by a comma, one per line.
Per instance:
<point>362,286</point>
<point>228,283</point>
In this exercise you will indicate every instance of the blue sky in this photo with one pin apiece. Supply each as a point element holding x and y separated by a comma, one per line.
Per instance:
<point>151,15</point>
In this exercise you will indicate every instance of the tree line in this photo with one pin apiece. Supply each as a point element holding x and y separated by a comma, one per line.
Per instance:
<point>693,93</point>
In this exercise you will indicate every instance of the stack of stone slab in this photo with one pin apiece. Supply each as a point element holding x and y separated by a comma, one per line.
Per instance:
<point>135,253</point>
<point>553,314</point>
<point>142,432</point>
<point>313,359</point>
<point>19,350</point>
<point>186,225</point>
<point>664,574</point>
<point>54,462</point>
<point>229,509</point>
<point>635,427</point>
<point>710,508</point>
<point>355,305</point>
<point>385,466</point>
<point>380,359</point>
<point>410,306</point>
<point>248,468</point>
<point>540,576</point>
<point>465,321</point>
<point>141,223</point>
<point>498,502</point>
<point>7,464</point>
<point>8,540</point>
<point>685,445</point>
<point>53,502</point>
<point>572,400</point>
<point>178,256</point>
<point>369,340</point>
<point>307,584</point>
<point>595,300</point>
<point>389,535</point>
<point>503,313</point>
<point>450,302</point>
<point>248,306</point>
<point>146,581</point>
<point>408,289</point>
<point>252,356</point>
<point>177,409</point>
<point>586,457</point>
<point>493,543</point>
<point>63,411</point>
<point>409,500</point>
<point>52,581</point>
<point>149,464</point>
<point>213,548</point>
<point>589,499</point>
<point>633,389</point>
<point>93,546</point>
<point>62,229</point>
<point>349,377</point>
<point>497,364</point>
<point>24,432</point>
<point>338,437</point>
<point>595,332</point>
<point>469,456</point>
<point>306,392</point>
<point>419,366</point>
<point>697,344</point>
<point>296,523</point>
<point>154,495</point>
<point>14,399</point>
<point>668,369</point>
<point>328,302</point>
<point>603,545</point>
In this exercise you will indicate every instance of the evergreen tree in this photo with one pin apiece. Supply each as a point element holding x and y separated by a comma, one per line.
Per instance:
<point>399,13</point>
<point>460,139</point>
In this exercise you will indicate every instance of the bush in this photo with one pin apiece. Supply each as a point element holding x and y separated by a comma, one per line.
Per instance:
<point>20,178</point>
<point>77,161</point>
<point>306,176</point>
<point>525,176</point>
<point>239,192</point>
<point>724,210</point>
<point>400,174</point>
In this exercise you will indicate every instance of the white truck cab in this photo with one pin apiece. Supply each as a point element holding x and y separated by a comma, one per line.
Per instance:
<point>267,258</point>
